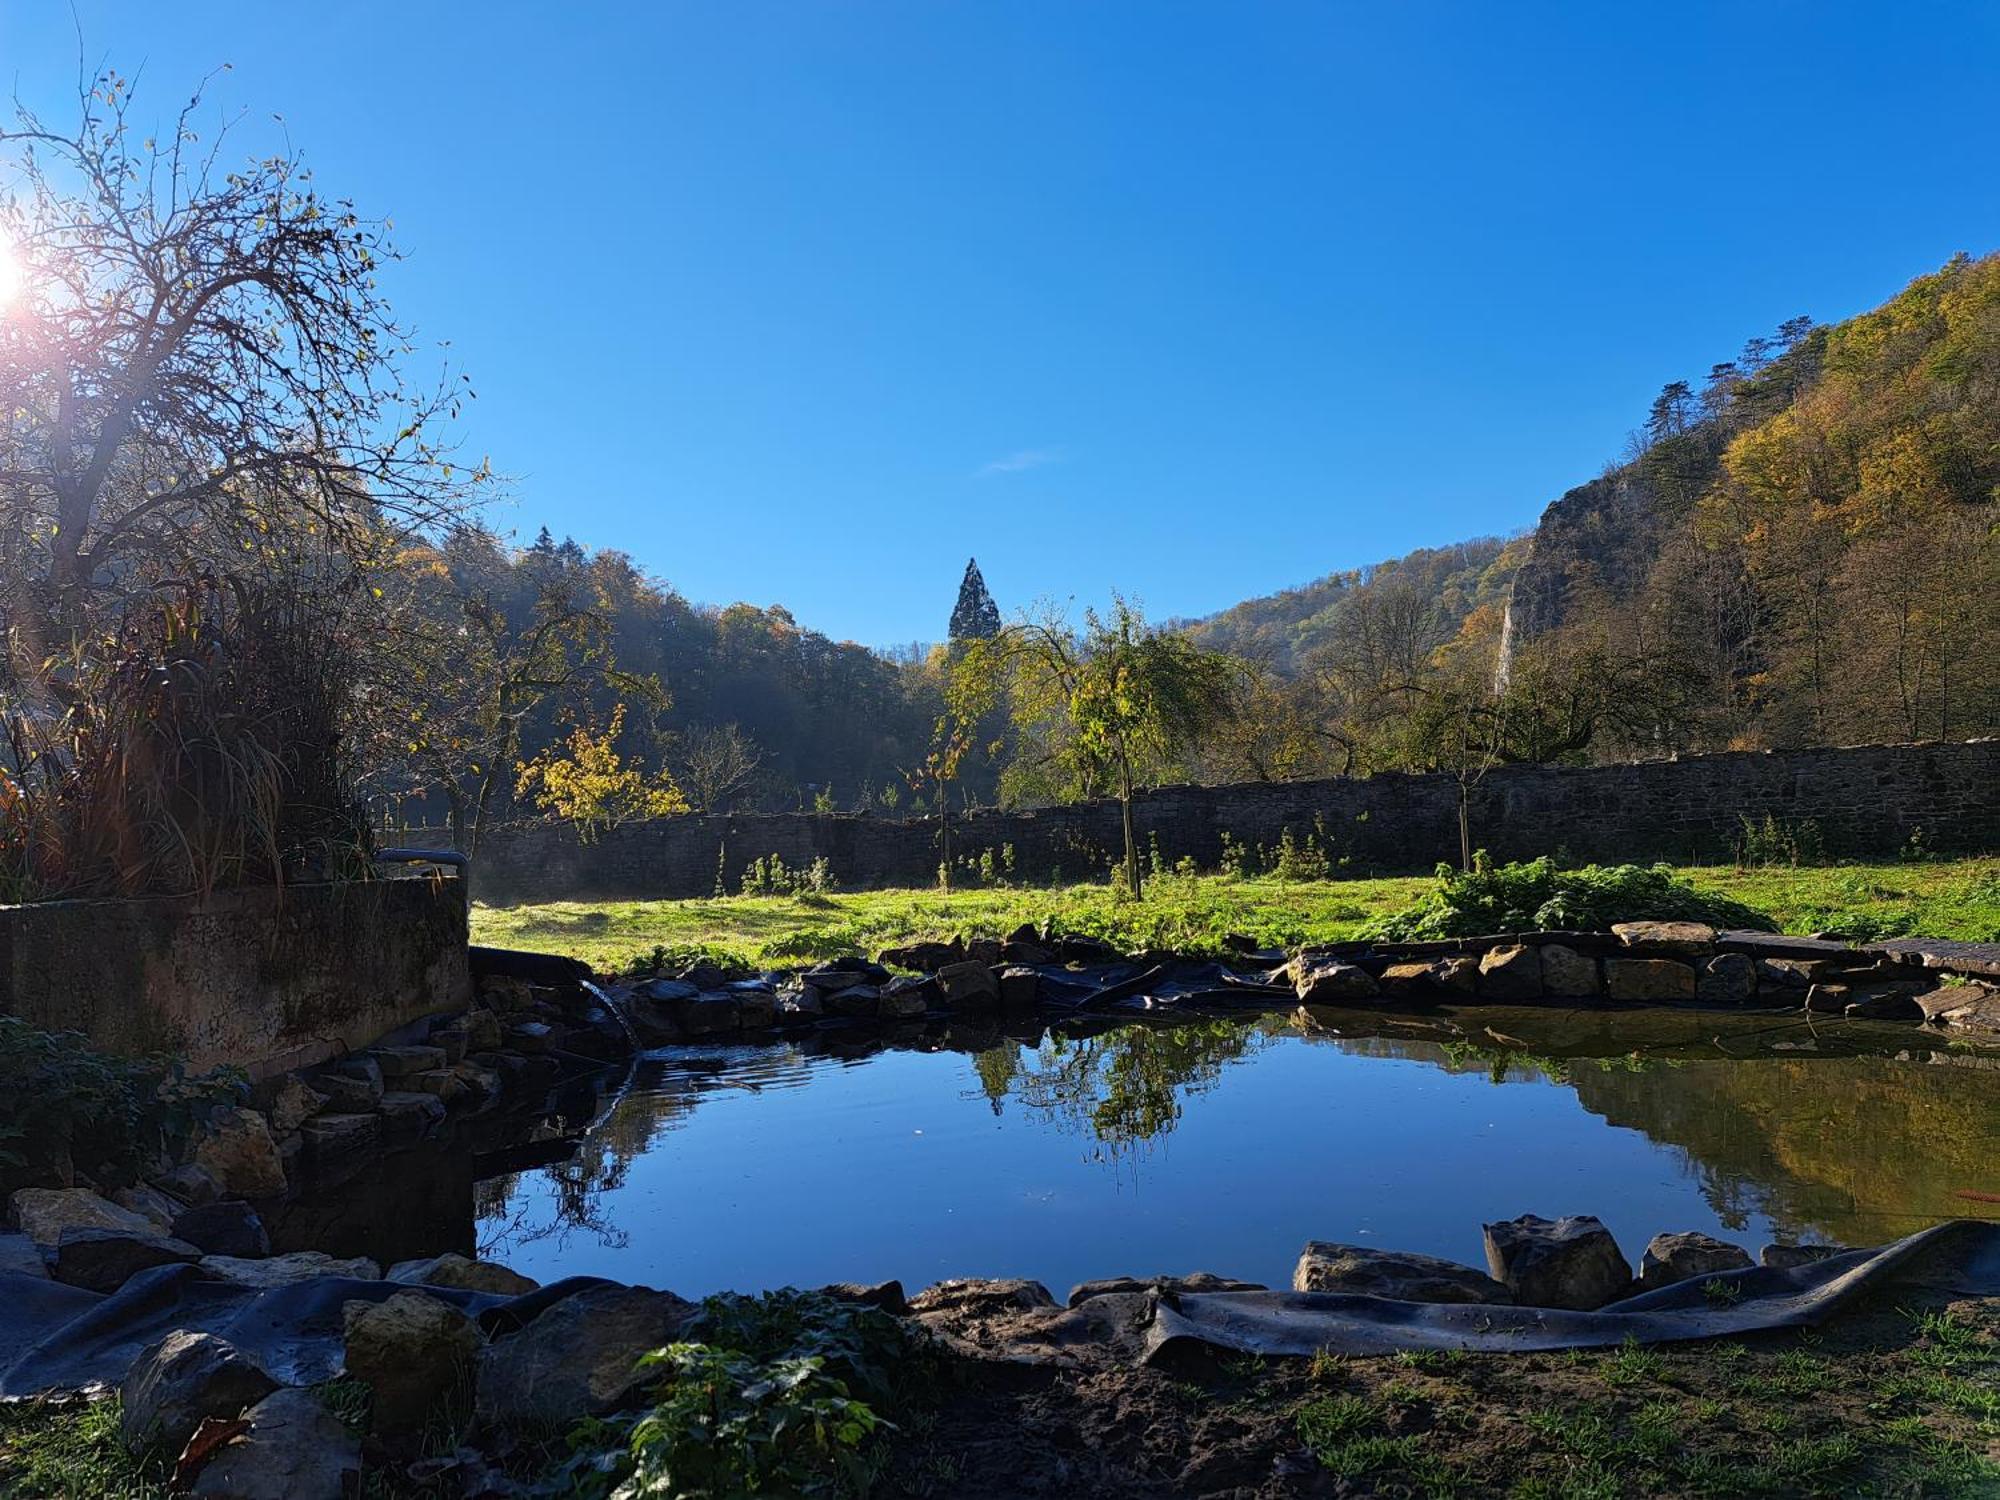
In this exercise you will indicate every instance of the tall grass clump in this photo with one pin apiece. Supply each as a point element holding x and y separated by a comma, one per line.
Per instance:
<point>1537,894</point>
<point>197,746</point>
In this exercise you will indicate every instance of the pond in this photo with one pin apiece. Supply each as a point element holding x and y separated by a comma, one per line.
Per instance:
<point>1225,1144</point>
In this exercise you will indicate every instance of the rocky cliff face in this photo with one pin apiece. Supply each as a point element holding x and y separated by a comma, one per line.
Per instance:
<point>1603,534</point>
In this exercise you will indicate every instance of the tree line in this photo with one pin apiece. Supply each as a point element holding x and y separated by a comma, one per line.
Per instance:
<point>220,476</point>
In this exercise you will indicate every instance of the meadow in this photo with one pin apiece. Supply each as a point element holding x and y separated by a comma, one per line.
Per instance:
<point>1194,913</point>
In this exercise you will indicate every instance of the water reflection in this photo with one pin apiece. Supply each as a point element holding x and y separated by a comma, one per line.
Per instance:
<point>1780,1125</point>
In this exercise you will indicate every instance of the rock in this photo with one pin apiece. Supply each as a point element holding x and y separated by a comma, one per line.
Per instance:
<point>454,1270</point>
<point>348,1095</point>
<point>756,1010</point>
<point>1568,1262</point>
<point>403,1062</point>
<point>479,1080</point>
<point>181,1380</point>
<point>483,1031</point>
<point>453,1041</point>
<point>1026,951</point>
<point>1457,973</point>
<point>707,1014</point>
<point>1689,939</point>
<point>884,1296</point>
<point>413,1351</point>
<point>981,1295</point>
<point>1081,949</point>
<point>228,1228</point>
<point>293,1104</point>
<point>103,1260</point>
<point>1511,971</point>
<point>240,1154</point>
<point>985,950</point>
<point>1396,1274</point>
<point>284,1270</point>
<point>42,1214</point>
<point>1020,987</point>
<point>576,1357</point>
<point>189,1183</point>
<point>21,1256</point>
<point>1329,981</point>
<point>798,1006</point>
<point>443,1084</point>
<point>406,1116</point>
<point>150,1202</point>
<point>1726,979</point>
<point>924,958</point>
<point>1828,998</point>
<point>1569,973</point>
<point>1886,1002</point>
<point>531,1037</point>
<point>506,995</point>
<point>861,1002</point>
<point>907,998</point>
<point>1194,1281</point>
<point>1409,978</point>
<point>295,1449</point>
<point>1678,1257</point>
<point>968,986</point>
<point>667,991</point>
<point>1789,973</point>
<point>1789,1257</point>
<point>329,1137</point>
<point>1648,979</point>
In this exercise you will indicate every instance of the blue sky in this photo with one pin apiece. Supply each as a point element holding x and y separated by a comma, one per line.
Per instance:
<point>803,303</point>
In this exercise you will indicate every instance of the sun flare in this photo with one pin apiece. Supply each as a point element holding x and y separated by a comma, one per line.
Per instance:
<point>10,273</point>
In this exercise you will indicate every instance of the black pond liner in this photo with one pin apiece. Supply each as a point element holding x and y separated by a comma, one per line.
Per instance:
<point>59,1338</point>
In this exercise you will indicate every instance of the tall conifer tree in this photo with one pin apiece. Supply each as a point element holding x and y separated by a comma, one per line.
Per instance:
<point>975,617</point>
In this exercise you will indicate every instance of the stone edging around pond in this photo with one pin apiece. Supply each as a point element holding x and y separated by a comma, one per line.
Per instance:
<point>1953,986</point>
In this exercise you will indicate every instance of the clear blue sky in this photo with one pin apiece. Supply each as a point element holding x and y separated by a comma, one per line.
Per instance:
<point>803,303</point>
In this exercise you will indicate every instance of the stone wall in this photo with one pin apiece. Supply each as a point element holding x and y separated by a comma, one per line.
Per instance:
<point>1867,800</point>
<point>264,978</point>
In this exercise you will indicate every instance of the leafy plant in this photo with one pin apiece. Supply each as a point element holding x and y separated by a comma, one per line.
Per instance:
<point>589,784</point>
<point>76,1110</point>
<point>1538,895</point>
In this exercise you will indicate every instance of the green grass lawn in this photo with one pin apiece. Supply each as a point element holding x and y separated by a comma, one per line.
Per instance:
<point>1947,899</point>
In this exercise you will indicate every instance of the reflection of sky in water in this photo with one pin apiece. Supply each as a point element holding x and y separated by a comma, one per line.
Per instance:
<point>765,1167</point>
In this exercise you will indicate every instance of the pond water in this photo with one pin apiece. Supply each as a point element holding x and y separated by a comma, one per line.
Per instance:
<point>1225,1144</point>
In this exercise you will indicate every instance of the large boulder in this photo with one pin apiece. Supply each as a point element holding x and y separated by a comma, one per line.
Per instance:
<point>103,1260</point>
<point>860,1002</point>
<point>239,1153</point>
<point>1457,974</point>
<point>907,998</point>
<point>464,1273</point>
<point>1396,1274</point>
<point>151,1202</point>
<point>1020,987</point>
<point>293,1449</point>
<point>1684,1255</point>
<point>1648,979</point>
<point>708,1014</point>
<point>181,1380</point>
<point>576,1358</point>
<point>1570,1262</point>
<point>982,1295</point>
<point>1330,981</point>
<point>284,1270</point>
<point>1568,973</point>
<point>1511,971</point>
<point>293,1103</point>
<point>415,1354</point>
<point>42,1214</point>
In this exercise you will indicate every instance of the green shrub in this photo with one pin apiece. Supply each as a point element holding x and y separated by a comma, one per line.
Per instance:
<point>1538,895</point>
<point>780,1394</point>
<point>75,1110</point>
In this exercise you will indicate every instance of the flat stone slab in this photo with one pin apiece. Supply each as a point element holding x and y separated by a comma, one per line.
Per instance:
<point>1397,1274</point>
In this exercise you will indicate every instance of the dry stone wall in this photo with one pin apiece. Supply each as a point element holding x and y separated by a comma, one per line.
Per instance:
<point>1865,800</point>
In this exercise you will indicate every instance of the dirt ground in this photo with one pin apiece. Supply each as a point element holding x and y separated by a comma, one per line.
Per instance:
<point>1896,1397</point>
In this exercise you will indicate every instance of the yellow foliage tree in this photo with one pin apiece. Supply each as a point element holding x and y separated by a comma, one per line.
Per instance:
<point>585,781</point>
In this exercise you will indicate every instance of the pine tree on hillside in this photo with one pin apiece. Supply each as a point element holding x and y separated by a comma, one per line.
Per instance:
<point>976,616</point>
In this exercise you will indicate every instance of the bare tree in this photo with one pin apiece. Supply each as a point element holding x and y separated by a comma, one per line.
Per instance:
<point>715,765</point>
<point>194,351</point>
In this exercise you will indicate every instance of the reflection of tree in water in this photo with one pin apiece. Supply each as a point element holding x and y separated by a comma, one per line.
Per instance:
<point>1125,1087</point>
<point>661,1098</point>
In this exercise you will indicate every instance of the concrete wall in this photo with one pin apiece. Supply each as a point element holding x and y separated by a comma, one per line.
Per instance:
<point>264,978</point>
<point>1866,800</point>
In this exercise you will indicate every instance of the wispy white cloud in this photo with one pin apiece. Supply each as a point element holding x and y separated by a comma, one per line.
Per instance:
<point>1020,460</point>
